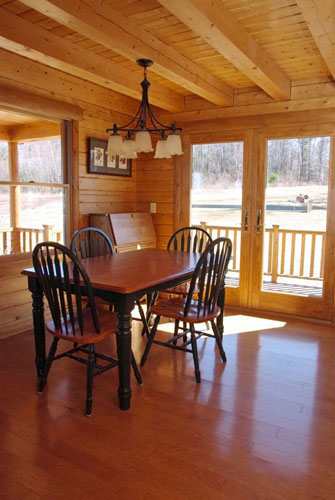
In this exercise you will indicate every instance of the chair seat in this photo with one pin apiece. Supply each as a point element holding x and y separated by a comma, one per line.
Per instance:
<point>174,308</point>
<point>108,325</point>
<point>181,289</point>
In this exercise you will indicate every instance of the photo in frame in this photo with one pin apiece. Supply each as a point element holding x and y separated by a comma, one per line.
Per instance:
<point>100,163</point>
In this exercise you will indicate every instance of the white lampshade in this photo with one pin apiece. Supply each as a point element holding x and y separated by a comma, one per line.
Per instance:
<point>173,145</point>
<point>115,145</point>
<point>143,142</point>
<point>129,149</point>
<point>129,146</point>
<point>161,149</point>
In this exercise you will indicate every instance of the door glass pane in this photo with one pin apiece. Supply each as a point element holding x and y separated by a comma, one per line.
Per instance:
<point>296,215</point>
<point>216,195</point>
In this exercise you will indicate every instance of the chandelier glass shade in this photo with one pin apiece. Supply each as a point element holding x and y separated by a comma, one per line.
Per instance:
<point>138,131</point>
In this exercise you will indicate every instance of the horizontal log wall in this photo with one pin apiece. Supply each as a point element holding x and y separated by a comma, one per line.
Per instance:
<point>155,184</point>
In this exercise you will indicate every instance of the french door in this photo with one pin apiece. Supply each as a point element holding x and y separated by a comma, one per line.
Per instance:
<point>293,231</point>
<point>274,197</point>
<point>217,196</point>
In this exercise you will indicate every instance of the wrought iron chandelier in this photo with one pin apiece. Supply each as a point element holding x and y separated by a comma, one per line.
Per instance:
<point>141,126</point>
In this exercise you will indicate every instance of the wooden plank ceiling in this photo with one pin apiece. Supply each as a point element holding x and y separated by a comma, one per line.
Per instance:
<point>207,49</point>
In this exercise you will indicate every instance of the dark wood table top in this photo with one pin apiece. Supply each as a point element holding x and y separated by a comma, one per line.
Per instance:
<point>133,271</point>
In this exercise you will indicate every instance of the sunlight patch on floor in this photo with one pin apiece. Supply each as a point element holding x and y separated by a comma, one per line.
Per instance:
<point>238,323</point>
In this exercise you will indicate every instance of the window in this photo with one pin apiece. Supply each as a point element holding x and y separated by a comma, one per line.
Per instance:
<point>33,190</point>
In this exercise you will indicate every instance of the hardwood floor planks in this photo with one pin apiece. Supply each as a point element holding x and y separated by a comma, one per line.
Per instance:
<point>259,427</point>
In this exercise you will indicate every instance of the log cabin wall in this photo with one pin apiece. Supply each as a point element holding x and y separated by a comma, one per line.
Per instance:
<point>155,184</point>
<point>97,193</point>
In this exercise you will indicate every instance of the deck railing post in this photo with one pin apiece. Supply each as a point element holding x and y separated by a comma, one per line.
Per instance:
<point>275,253</point>
<point>47,232</point>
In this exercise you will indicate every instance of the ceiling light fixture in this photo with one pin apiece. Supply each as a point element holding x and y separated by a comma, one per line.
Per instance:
<point>141,126</point>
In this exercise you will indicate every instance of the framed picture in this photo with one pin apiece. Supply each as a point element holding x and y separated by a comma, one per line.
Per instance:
<point>100,163</point>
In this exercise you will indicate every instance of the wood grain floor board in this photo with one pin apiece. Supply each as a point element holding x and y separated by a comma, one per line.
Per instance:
<point>261,427</point>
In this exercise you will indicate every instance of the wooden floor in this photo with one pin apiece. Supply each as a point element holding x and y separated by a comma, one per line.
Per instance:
<point>260,427</point>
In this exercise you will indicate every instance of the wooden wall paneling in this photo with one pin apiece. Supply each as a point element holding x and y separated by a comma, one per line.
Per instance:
<point>4,133</point>
<point>155,184</point>
<point>178,164</point>
<point>15,304</point>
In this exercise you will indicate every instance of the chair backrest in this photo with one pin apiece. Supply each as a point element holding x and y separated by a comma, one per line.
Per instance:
<point>90,242</point>
<point>208,277</point>
<point>189,239</point>
<point>63,278</point>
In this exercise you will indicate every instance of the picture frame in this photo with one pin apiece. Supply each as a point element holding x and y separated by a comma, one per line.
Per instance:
<point>99,163</point>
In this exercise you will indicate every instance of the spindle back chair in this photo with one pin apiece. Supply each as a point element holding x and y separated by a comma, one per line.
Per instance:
<point>65,283</point>
<point>91,242</point>
<point>206,283</point>
<point>189,239</point>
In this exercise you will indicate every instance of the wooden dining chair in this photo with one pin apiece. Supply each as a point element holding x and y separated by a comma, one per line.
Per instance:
<point>65,283</point>
<point>208,280</point>
<point>186,239</point>
<point>93,242</point>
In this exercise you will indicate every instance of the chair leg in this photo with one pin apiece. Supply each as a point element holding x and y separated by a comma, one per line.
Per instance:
<point>150,340</point>
<point>135,368</point>
<point>195,355</point>
<point>185,328</point>
<point>151,300</point>
<point>145,329</point>
<point>176,326</point>
<point>90,366</point>
<point>218,341</point>
<point>52,352</point>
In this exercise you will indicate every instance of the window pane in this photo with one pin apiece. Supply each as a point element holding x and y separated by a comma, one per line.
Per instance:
<point>41,161</point>
<point>4,162</point>
<point>216,196</point>
<point>40,216</point>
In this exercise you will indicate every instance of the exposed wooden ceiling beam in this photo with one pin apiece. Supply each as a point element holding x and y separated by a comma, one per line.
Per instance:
<point>33,131</point>
<point>320,18</point>
<point>36,105</point>
<point>216,25</point>
<point>32,41</point>
<point>108,27</point>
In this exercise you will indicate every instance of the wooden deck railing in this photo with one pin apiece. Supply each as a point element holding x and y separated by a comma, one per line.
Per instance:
<point>287,252</point>
<point>23,239</point>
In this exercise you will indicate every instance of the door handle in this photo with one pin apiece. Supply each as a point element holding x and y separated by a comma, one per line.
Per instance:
<point>246,220</point>
<point>259,218</point>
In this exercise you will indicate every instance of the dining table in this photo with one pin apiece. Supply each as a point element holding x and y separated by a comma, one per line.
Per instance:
<point>121,279</point>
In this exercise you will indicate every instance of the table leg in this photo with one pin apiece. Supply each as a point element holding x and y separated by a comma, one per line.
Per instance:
<point>124,355</point>
<point>38,321</point>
